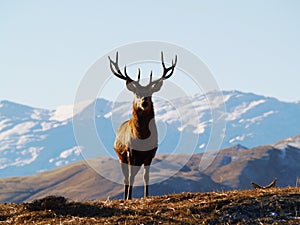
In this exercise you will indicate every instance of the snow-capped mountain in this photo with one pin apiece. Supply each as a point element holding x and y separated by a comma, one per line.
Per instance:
<point>34,140</point>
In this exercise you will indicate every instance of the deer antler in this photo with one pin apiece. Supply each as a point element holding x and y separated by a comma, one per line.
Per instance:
<point>116,70</point>
<point>153,86</point>
<point>167,72</point>
<point>271,185</point>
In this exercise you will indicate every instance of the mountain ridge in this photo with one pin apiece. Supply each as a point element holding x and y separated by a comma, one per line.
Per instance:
<point>34,140</point>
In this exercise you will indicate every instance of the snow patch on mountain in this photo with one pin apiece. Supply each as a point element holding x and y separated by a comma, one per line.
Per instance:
<point>290,141</point>
<point>4,124</point>
<point>67,156</point>
<point>62,113</point>
<point>66,112</point>
<point>237,138</point>
<point>24,157</point>
<point>34,139</point>
<point>257,118</point>
<point>200,128</point>
<point>67,153</point>
<point>242,109</point>
<point>19,129</point>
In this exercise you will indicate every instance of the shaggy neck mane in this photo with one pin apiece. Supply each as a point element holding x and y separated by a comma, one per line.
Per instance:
<point>139,122</point>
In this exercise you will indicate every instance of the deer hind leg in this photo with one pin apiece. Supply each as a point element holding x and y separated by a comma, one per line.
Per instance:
<point>133,170</point>
<point>146,180</point>
<point>125,171</point>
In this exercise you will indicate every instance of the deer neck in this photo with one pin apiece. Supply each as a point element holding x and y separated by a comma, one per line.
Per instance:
<point>141,122</point>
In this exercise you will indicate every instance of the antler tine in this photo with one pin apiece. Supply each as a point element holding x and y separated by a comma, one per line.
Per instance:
<point>162,59</point>
<point>116,70</point>
<point>165,69</point>
<point>150,78</point>
<point>125,71</point>
<point>139,75</point>
<point>117,57</point>
<point>171,68</point>
<point>174,64</point>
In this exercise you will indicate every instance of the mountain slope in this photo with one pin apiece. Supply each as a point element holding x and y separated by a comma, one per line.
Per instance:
<point>231,168</point>
<point>34,140</point>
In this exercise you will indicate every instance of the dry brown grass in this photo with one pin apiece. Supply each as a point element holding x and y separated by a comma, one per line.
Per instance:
<point>273,206</point>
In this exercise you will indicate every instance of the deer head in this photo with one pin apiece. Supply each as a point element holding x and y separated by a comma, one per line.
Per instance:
<point>143,94</point>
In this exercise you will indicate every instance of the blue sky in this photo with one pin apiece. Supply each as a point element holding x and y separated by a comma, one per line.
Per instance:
<point>47,46</point>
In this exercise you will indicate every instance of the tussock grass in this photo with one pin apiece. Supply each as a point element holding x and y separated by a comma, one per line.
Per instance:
<point>272,206</point>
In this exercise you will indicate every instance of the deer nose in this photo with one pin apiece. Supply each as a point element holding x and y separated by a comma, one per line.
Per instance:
<point>145,104</point>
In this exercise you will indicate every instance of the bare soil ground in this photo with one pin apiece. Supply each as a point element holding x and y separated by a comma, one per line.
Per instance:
<point>272,206</point>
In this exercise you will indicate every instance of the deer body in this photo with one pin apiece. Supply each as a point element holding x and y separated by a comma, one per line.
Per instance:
<point>129,136</point>
<point>136,139</point>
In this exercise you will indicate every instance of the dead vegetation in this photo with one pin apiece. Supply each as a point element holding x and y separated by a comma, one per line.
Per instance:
<point>271,206</point>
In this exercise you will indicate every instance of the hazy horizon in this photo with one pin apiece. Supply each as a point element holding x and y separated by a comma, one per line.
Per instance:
<point>130,99</point>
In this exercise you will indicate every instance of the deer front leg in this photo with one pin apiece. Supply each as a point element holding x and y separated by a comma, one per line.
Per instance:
<point>146,180</point>
<point>125,171</point>
<point>133,170</point>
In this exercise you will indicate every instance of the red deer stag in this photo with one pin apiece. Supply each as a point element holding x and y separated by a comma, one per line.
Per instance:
<point>136,139</point>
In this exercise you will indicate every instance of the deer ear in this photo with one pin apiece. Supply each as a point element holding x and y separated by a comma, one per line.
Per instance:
<point>156,86</point>
<point>131,86</point>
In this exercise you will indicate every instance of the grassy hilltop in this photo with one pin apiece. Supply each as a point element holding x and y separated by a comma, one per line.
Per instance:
<point>272,206</point>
